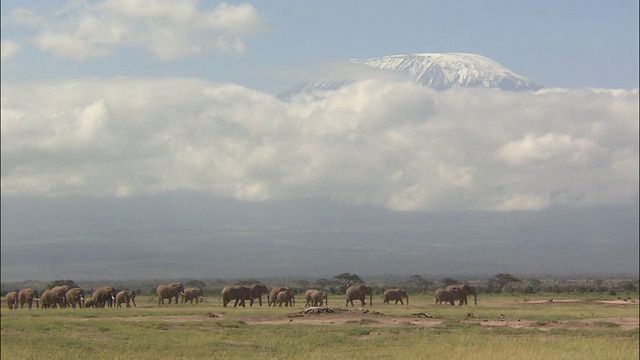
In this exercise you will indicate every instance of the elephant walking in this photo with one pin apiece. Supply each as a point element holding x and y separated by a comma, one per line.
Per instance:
<point>284,297</point>
<point>395,294</point>
<point>234,292</point>
<point>319,298</point>
<point>444,296</point>
<point>360,292</point>
<point>273,294</point>
<point>60,294</point>
<point>89,303</point>
<point>27,296</point>
<point>461,292</point>
<point>191,294</point>
<point>126,297</point>
<point>49,299</point>
<point>12,300</point>
<point>105,295</point>
<point>169,291</point>
<point>75,297</point>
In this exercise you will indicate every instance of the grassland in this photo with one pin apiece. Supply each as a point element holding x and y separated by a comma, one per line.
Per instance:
<point>499,327</point>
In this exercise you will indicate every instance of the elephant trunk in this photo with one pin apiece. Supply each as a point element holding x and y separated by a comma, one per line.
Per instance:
<point>371,299</point>
<point>407,299</point>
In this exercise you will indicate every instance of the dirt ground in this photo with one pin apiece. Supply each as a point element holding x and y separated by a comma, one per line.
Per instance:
<point>341,316</point>
<point>371,318</point>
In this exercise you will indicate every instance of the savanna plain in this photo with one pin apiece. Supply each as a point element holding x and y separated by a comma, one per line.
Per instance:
<point>534,326</point>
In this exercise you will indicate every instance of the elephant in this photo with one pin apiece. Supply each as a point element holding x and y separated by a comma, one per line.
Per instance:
<point>256,291</point>
<point>462,293</point>
<point>307,297</point>
<point>126,297</point>
<point>169,291</point>
<point>75,297</point>
<point>12,300</point>
<point>319,298</point>
<point>239,293</point>
<point>49,299</point>
<point>446,296</point>
<point>89,303</point>
<point>284,297</point>
<point>60,293</point>
<point>191,294</point>
<point>395,294</point>
<point>27,296</point>
<point>359,292</point>
<point>273,294</point>
<point>104,295</point>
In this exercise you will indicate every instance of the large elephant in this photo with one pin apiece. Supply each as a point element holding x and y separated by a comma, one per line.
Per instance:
<point>319,298</point>
<point>105,295</point>
<point>255,292</point>
<point>284,297</point>
<point>462,293</point>
<point>60,293</point>
<point>273,294</point>
<point>169,291</point>
<point>239,293</point>
<point>446,296</point>
<point>75,297</point>
<point>27,296</point>
<point>49,299</point>
<point>191,294</point>
<point>395,294</point>
<point>12,300</point>
<point>126,297</point>
<point>359,292</point>
<point>307,297</point>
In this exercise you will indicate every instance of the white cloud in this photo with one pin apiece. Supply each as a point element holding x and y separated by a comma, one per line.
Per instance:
<point>167,29</point>
<point>8,49</point>
<point>386,143</point>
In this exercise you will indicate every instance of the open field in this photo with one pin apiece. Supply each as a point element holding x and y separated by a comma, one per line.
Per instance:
<point>499,327</point>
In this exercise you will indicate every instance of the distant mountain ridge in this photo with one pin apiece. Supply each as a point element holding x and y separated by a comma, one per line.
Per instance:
<point>437,71</point>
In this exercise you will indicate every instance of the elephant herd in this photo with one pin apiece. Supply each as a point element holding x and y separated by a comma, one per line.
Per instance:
<point>283,296</point>
<point>65,296</point>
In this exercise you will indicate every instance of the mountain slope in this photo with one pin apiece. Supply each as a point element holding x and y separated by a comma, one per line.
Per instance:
<point>437,71</point>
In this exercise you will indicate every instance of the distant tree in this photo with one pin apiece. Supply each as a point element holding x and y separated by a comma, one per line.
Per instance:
<point>501,280</point>
<point>55,283</point>
<point>449,281</point>
<point>419,282</point>
<point>302,283</point>
<point>249,282</point>
<point>347,279</point>
<point>323,282</point>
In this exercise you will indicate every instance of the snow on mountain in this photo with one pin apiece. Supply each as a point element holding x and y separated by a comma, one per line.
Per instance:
<point>437,71</point>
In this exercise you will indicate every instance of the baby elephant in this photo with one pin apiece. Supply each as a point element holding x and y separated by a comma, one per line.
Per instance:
<point>126,297</point>
<point>395,294</point>
<point>191,294</point>
<point>284,297</point>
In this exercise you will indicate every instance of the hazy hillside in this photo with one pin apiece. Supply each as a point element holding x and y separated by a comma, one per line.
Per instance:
<point>186,235</point>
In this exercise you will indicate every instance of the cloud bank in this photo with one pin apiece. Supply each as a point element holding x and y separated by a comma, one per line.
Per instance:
<point>379,142</point>
<point>167,29</point>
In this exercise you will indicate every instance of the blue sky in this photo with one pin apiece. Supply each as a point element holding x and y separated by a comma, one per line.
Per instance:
<point>564,44</point>
<point>115,102</point>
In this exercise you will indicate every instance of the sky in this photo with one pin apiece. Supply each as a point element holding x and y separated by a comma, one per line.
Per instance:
<point>158,102</point>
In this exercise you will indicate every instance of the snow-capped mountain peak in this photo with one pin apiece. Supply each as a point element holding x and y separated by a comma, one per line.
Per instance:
<point>437,71</point>
<point>443,71</point>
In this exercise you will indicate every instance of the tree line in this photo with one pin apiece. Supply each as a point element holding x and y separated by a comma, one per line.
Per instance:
<point>499,283</point>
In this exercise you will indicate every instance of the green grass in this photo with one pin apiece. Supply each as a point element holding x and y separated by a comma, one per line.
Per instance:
<point>187,332</point>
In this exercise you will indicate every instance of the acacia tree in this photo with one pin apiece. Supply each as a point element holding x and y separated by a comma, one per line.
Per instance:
<point>449,281</point>
<point>347,279</point>
<point>501,280</point>
<point>419,282</point>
